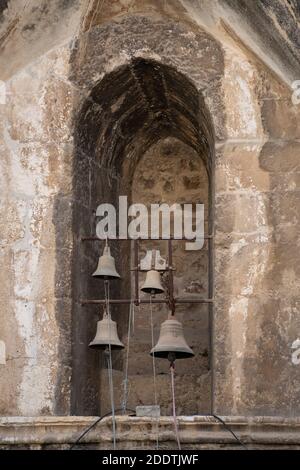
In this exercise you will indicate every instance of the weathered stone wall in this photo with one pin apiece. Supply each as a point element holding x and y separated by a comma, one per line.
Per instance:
<point>256,232</point>
<point>256,197</point>
<point>36,182</point>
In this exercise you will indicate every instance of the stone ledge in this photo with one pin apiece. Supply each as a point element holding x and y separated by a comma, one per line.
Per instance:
<point>135,432</point>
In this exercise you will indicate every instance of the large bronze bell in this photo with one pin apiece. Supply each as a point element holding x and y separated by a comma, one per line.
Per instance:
<point>106,266</point>
<point>106,334</point>
<point>171,342</point>
<point>152,284</point>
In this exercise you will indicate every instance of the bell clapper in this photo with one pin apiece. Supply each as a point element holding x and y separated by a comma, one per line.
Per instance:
<point>171,341</point>
<point>171,359</point>
<point>152,284</point>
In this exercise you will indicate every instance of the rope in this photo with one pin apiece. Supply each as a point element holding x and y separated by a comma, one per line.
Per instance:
<point>84,433</point>
<point>132,318</point>
<point>109,365</point>
<point>111,391</point>
<point>172,369</point>
<point>120,409</point>
<point>227,427</point>
<point>126,381</point>
<point>154,369</point>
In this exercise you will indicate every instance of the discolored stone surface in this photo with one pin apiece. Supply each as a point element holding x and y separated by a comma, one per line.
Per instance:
<point>80,112</point>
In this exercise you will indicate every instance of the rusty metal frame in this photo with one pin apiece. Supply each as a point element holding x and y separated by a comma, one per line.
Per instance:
<point>170,300</point>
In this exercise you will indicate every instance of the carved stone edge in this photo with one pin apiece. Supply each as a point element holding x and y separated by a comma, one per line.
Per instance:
<point>193,430</point>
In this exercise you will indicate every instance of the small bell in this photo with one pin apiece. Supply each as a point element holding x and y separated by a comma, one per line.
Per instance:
<point>106,334</point>
<point>152,284</point>
<point>171,343</point>
<point>106,268</point>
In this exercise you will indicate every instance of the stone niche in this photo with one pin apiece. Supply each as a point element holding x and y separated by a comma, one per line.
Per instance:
<point>143,132</point>
<point>170,172</point>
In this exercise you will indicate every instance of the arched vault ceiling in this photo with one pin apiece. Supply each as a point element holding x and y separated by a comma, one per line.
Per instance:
<point>143,99</point>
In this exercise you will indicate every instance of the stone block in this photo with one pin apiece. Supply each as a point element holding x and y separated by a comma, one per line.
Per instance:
<point>281,119</point>
<point>238,168</point>
<point>242,212</point>
<point>280,157</point>
<point>242,110</point>
<point>152,411</point>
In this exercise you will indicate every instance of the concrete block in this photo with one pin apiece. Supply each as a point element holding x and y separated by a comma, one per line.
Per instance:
<point>152,411</point>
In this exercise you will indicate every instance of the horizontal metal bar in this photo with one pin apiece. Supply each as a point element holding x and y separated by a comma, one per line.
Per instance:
<point>96,239</point>
<point>194,301</point>
<point>168,268</point>
<point>144,301</point>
